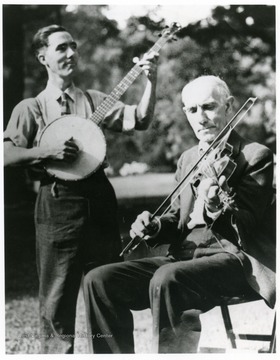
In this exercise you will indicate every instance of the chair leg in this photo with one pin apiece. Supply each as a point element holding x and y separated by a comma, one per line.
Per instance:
<point>272,346</point>
<point>232,336</point>
<point>228,325</point>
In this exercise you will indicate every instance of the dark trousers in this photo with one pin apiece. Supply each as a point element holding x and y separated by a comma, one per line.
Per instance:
<point>176,291</point>
<point>76,230</point>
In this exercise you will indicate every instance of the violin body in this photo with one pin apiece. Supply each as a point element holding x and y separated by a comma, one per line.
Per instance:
<point>217,163</point>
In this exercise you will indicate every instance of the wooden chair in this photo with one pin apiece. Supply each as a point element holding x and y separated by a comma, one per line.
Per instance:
<point>232,336</point>
<point>270,224</point>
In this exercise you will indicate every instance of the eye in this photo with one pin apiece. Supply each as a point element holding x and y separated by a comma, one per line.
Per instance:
<point>74,46</point>
<point>192,110</point>
<point>62,47</point>
<point>209,107</point>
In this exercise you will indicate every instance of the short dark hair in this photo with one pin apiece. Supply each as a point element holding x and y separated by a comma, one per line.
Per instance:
<point>41,38</point>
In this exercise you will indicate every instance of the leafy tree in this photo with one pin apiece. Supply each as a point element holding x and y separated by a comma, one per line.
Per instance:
<point>241,41</point>
<point>236,43</point>
<point>17,22</point>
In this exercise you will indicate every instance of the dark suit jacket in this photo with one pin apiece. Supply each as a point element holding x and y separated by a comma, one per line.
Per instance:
<point>251,222</point>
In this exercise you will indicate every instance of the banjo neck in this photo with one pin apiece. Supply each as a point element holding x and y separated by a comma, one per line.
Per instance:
<point>99,114</point>
<point>87,132</point>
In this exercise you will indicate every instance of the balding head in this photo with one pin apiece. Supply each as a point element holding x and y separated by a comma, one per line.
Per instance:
<point>207,105</point>
<point>207,81</point>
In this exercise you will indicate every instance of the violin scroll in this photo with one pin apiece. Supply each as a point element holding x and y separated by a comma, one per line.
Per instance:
<point>222,164</point>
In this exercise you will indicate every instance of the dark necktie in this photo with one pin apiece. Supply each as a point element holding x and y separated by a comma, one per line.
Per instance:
<point>64,104</point>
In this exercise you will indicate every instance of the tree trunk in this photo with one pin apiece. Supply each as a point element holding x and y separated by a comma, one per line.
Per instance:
<point>13,86</point>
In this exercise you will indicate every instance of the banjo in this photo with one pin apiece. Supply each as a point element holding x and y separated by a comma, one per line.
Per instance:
<point>87,133</point>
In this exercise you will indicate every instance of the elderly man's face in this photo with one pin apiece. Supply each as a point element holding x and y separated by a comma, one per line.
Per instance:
<point>60,56</point>
<point>206,111</point>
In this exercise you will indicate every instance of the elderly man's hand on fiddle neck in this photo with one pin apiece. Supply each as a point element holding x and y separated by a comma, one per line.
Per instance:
<point>209,190</point>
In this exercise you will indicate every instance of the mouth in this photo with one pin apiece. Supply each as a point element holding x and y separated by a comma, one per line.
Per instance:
<point>70,63</point>
<point>205,129</point>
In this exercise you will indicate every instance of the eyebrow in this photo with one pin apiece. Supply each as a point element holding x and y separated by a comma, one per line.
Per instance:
<point>194,106</point>
<point>66,43</point>
<point>210,103</point>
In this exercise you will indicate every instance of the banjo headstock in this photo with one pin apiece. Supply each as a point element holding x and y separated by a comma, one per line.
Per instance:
<point>169,31</point>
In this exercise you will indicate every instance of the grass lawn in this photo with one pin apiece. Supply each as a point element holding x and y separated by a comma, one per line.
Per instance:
<point>21,285</point>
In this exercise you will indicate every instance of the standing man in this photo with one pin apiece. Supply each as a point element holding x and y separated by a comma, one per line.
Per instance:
<point>219,246</point>
<point>76,222</point>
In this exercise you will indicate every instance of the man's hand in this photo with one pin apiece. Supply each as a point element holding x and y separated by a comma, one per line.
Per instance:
<point>209,189</point>
<point>66,151</point>
<point>15,155</point>
<point>144,227</point>
<point>149,64</point>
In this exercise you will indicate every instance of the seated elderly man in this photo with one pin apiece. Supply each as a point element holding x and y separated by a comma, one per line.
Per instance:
<point>215,228</point>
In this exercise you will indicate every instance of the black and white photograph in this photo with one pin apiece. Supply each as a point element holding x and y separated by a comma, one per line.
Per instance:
<point>139,178</point>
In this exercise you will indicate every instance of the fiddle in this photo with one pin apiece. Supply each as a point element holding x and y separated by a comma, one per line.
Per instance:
<point>214,162</point>
<point>219,162</point>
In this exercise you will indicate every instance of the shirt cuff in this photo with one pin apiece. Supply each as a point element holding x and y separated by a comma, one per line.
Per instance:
<point>213,215</point>
<point>129,118</point>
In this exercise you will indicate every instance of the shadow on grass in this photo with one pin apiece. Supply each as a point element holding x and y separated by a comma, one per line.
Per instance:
<point>20,265</point>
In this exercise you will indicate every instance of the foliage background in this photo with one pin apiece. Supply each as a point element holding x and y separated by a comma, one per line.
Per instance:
<point>236,43</point>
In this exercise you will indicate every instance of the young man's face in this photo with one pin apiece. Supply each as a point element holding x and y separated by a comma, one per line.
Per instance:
<point>206,111</point>
<point>60,56</point>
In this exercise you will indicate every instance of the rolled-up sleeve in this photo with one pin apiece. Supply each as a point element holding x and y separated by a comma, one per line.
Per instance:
<point>22,126</point>
<point>129,118</point>
<point>120,118</point>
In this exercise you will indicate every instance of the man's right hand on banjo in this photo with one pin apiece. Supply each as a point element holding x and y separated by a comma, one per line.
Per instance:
<point>66,151</point>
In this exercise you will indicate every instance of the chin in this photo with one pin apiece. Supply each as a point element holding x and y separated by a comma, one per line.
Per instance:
<point>68,74</point>
<point>207,139</point>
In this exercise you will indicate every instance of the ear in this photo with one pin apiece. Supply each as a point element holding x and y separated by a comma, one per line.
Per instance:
<point>41,57</point>
<point>185,112</point>
<point>229,104</point>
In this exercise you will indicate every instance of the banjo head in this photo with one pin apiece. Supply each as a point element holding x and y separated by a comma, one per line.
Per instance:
<point>88,137</point>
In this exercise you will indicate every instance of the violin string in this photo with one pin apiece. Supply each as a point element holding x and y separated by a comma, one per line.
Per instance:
<point>174,198</point>
<point>214,142</point>
<point>195,168</point>
<point>212,172</point>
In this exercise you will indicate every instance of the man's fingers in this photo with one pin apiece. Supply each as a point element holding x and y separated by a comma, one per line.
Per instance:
<point>137,230</point>
<point>139,226</point>
<point>213,192</point>
<point>147,59</point>
<point>151,56</point>
<point>223,183</point>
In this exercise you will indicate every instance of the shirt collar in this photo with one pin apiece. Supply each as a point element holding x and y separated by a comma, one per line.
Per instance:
<point>71,92</point>
<point>54,92</point>
<point>203,146</point>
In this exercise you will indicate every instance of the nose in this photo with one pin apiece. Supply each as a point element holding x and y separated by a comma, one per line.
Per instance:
<point>70,52</point>
<point>202,117</point>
